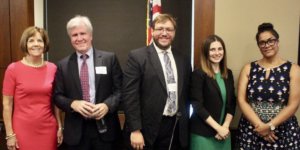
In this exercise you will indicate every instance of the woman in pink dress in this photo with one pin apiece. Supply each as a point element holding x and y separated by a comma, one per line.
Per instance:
<point>31,120</point>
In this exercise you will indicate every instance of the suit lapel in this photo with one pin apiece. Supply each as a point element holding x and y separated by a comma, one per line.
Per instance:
<point>73,69</point>
<point>155,61</point>
<point>215,84</point>
<point>227,89</point>
<point>218,88</point>
<point>97,62</point>
<point>180,73</point>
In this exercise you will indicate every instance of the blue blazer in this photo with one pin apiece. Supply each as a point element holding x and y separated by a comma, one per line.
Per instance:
<point>207,101</point>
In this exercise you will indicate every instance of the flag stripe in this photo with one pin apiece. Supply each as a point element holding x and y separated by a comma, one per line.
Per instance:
<point>153,10</point>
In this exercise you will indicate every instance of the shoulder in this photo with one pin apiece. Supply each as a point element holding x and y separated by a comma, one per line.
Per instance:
<point>246,68</point>
<point>66,59</point>
<point>140,54</point>
<point>12,65</point>
<point>15,66</point>
<point>199,72</point>
<point>51,65</point>
<point>104,53</point>
<point>230,74</point>
<point>140,51</point>
<point>229,71</point>
<point>295,71</point>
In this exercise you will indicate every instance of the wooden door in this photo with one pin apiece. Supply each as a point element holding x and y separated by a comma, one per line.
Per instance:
<point>15,16</point>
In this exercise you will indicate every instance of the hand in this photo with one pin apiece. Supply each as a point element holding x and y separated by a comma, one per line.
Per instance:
<point>12,143</point>
<point>271,137</point>
<point>83,107</point>
<point>59,136</point>
<point>262,129</point>
<point>137,140</point>
<point>100,110</point>
<point>222,133</point>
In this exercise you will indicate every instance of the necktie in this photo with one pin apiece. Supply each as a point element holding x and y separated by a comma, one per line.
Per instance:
<point>171,107</point>
<point>84,78</point>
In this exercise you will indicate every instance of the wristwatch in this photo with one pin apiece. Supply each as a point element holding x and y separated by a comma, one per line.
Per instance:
<point>272,127</point>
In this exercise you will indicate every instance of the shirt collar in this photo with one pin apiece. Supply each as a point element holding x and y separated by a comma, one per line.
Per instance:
<point>158,50</point>
<point>89,53</point>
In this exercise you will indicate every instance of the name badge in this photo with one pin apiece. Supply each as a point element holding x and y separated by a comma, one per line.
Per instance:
<point>101,70</point>
<point>172,87</point>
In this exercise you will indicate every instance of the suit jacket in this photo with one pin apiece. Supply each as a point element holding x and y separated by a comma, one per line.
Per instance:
<point>207,101</point>
<point>107,87</point>
<point>145,93</point>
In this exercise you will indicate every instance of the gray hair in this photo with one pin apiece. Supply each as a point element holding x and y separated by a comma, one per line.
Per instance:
<point>79,20</point>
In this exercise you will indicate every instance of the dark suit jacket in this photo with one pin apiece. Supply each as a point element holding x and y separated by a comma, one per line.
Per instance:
<point>108,91</point>
<point>207,101</point>
<point>145,93</point>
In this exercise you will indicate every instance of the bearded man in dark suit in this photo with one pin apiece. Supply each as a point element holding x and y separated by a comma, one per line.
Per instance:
<point>155,92</point>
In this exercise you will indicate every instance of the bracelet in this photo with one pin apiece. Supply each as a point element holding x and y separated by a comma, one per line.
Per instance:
<point>10,136</point>
<point>61,128</point>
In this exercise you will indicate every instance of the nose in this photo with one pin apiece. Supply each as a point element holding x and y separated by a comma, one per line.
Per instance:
<point>218,52</point>
<point>78,37</point>
<point>35,42</point>
<point>164,32</point>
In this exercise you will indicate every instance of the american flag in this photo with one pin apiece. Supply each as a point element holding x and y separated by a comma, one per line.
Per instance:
<point>153,10</point>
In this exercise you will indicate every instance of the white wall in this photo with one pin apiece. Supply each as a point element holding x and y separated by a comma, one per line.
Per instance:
<point>236,21</point>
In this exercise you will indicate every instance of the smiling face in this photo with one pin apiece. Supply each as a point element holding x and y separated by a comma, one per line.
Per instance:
<point>81,38</point>
<point>216,52</point>
<point>35,45</point>
<point>163,34</point>
<point>268,44</point>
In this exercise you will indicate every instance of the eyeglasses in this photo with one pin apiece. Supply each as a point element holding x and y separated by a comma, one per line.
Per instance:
<point>161,30</point>
<point>270,42</point>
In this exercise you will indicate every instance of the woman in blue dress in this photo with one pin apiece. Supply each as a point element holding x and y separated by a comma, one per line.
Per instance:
<point>269,95</point>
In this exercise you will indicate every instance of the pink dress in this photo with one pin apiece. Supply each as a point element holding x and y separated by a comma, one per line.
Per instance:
<point>33,117</point>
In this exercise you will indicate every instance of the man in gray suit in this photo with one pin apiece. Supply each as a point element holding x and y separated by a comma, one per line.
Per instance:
<point>88,90</point>
<point>155,92</point>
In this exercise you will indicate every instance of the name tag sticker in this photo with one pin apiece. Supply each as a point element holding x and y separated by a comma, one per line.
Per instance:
<point>172,87</point>
<point>101,70</point>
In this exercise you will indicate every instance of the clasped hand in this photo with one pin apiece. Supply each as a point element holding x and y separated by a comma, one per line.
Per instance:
<point>223,133</point>
<point>263,130</point>
<point>90,110</point>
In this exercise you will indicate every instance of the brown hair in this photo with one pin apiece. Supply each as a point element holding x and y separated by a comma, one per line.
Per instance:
<point>205,63</point>
<point>162,18</point>
<point>31,31</point>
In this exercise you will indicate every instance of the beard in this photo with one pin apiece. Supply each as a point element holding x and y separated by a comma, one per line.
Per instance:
<point>163,47</point>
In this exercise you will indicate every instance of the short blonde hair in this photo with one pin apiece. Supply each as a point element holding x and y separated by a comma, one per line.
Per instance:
<point>30,32</point>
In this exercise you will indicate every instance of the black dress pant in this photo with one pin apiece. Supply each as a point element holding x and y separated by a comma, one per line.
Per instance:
<point>91,139</point>
<point>163,139</point>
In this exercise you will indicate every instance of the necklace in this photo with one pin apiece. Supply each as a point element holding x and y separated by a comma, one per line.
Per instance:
<point>32,64</point>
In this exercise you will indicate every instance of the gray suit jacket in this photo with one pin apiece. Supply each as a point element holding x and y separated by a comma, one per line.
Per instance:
<point>108,91</point>
<point>145,93</point>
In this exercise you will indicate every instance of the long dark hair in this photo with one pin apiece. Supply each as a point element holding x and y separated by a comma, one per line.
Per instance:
<point>205,63</point>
